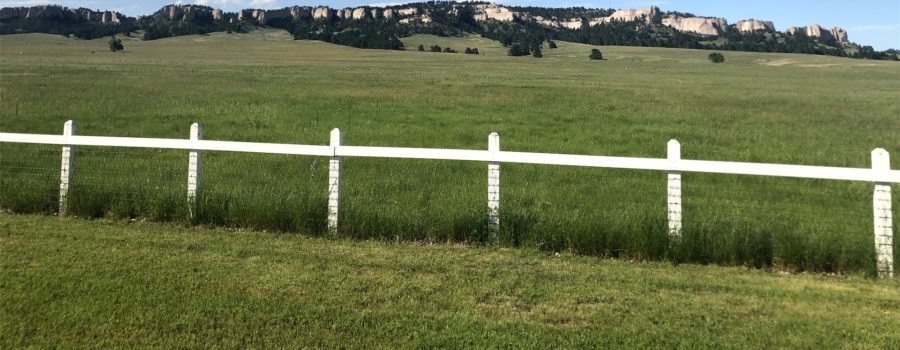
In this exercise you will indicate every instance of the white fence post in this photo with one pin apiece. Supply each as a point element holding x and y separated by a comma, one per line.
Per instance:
<point>494,189</point>
<point>67,168</point>
<point>193,180</point>
<point>334,183</point>
<point>884,232</point>
<point>674,189</point>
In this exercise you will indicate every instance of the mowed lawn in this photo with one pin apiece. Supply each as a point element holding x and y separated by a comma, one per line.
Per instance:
<point>265,87</point>
<point>81,283</point>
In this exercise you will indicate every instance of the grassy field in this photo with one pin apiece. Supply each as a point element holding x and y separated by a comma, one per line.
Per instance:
<point>263,86</point>
<point>78,283</point>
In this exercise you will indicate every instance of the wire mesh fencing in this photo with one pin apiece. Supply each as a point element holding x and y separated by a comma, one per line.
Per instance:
<point>29,178</point>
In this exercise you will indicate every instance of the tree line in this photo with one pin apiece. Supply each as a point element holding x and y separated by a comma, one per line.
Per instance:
<point>451,19</point>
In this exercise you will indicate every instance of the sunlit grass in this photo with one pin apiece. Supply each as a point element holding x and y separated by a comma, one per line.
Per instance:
<point>264,87</point>
<point>78,283</point>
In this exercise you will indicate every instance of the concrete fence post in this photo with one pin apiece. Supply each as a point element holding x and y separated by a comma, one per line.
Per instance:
<point>193,180</point>
<point>674,189</point>
<point>494,189</point>
<point>67,168</point>
<point>334,183</point>
<point>884,231</point>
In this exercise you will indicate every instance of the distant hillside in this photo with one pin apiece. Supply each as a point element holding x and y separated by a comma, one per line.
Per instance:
<point>526,30</point>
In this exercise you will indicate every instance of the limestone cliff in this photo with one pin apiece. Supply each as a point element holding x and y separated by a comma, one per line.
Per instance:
<point>699,25</point>
<point>59,12</point>
<point>186,13</point>
<point>484,12</point>
<point>422,13</point>
<point>816,31</point>
<point>752,25</point>
<point>650,15</point>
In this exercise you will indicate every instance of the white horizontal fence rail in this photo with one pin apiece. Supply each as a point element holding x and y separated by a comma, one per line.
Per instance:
<point>635,163</point>
<point>879,174</point>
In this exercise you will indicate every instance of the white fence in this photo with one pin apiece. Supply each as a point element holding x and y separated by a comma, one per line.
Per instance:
<point>880,174</point>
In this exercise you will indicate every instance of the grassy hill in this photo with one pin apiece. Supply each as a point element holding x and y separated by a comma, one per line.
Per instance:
<point>77,283</point>
<point>263,86</point>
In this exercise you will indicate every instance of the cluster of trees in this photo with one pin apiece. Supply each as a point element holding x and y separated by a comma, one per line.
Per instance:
<point>437,48</point>
<point>522,39</point>
<point>630,34</point>
<point>364,34</point>
<point>158,28</point>
<point>115,44</point>
<point>759,41</point>
<point>735,40</point>
<point>868,52</point>
<point>71,25</point>
<point>564,12</point>
<point>66,23</point>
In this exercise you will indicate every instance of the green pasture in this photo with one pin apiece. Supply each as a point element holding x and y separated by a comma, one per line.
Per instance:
<point>72,283</point>
<point>263,86</point>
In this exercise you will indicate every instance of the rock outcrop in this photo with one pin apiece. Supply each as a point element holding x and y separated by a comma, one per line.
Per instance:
<point>186,13</point>
<point>48,11</point>
<point>59,12</point>
<point>752,25</point>
<point>579,23</point>
<point>840,35</point>
<point>484,12</point>
<point>359,13</point>
<point>321,12</point>
<point>409,11</point>
<point>649,15</point>
<point>816,31</point>
<point>265,17</point>
<point>421,14</point>
<point>699,25</point>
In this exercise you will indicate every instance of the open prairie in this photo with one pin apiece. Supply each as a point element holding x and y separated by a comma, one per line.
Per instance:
<point>263,86</point>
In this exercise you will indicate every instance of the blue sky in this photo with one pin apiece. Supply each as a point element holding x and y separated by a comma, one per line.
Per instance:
<point>869,22</point>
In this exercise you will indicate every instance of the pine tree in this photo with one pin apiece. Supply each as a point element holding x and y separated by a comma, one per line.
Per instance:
<point>716,57</point>
<point>115,44</point>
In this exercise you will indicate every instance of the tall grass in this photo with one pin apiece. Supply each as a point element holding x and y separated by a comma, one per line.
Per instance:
<point>730,220</point>
<point>246,89</point>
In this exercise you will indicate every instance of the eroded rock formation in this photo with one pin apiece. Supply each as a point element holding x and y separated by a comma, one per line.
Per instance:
<point>648,15</point>
<point>59,12</point>
<point>484,12</point>
<point>818,32</point>
<point>409,14</point>
<point>699,25</point>
<point>752,25</point>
